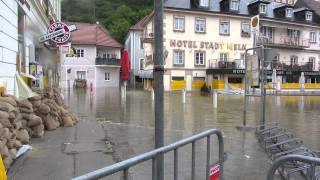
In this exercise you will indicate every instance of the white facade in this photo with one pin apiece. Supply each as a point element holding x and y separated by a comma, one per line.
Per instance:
<point>23,23</point>
<point>86,67</point>
<point>8,42</point>
<point>229,48</point>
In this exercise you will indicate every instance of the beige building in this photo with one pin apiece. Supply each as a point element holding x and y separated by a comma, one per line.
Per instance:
<point>205,40</point>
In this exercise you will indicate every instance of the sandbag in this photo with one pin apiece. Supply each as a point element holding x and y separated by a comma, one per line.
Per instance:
<point>9,99</point>
<point>24,123</point>
<point>4,106</point>
<point>4,151</point>
<point>5,123</point>
<point>38,131</point>
<point>36,103</point>
<point>2,144</point>
<point>12,115</point>
<point>26,110</point>
<point>35,121</point>
<point>4,115</point>
<point>25,103</point>
<point>23,136</point>
<point>35,98</point>
<point>17,144</point>
<point>50,123</point>
<point>67,121</point>
<point>11,142</point>
<point>5,133</point>
<point>13,153</point>
<point>44,109</point>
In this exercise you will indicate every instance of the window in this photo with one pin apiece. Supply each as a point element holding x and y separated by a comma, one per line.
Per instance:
<point>104,55</point>
<point>312,62</point>
<point>266,31</point>
<point>81,74</point>
<point>224,28</point>
<point>200,57</point>
<point>80,53</point>
<point>309,16</point>
<point>223,57</point>
<point>178,57</point>
<point>178,23</point>
<point>293,60</point>
<point>200,25</point>
<point>263,9</point>
<point>313,37</point>
<point>234,5</point>
<point>141,65</point>
<point>245,29</point>
<point>289,12</point>
<point>107,76</point>
<point>204,3</point>
<point>141,43</point>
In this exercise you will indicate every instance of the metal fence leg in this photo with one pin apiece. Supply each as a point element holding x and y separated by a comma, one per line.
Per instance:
<point>154,168</point>
<point>175,176</point>
<point>125,174</point>
<point>208,157</point>
<point>193,161</point>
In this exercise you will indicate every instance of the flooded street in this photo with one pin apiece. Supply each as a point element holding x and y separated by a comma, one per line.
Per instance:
<point>130,126</point>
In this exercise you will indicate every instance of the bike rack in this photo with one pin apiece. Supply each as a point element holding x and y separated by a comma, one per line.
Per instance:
<point>311,161</point>
<point>126,164</point>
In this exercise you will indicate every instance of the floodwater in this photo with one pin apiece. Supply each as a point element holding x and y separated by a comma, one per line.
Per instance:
<point>129,125</point>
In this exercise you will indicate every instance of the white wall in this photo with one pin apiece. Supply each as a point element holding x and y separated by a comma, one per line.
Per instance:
<point>100,77</point>
<point>8,42</point>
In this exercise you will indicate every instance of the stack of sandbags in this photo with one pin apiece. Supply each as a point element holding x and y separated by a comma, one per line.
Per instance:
<point>12,132</point>
<point>30,121</point>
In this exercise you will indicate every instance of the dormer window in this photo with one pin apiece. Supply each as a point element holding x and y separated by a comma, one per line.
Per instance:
<point>308,16</point>
<point>234,5</point>
<point>289,12</point>
<point>204,3</point>
<point>263,8</point>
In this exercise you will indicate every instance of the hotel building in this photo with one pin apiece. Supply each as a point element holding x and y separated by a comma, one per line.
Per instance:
<point>205,41</point>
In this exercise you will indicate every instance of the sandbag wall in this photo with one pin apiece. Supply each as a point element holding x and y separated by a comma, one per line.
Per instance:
<point>22,119</point>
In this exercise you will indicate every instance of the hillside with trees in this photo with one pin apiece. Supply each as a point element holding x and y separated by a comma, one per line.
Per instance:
<point>116,15</point>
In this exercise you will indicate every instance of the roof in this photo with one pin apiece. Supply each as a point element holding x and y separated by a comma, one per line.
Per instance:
<point>313,4</point>
<point>142,23</point>
<point>243,7</point>
<point>93,34</point>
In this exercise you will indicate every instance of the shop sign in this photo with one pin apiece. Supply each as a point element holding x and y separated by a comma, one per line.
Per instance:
<point>58,32</point>
<point>207,45</point>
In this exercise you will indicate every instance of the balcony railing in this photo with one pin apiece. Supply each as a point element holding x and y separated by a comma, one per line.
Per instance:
<point>108,61</point>
<point>283,42</point>
<point>308,66</point>
<point>226,64</point>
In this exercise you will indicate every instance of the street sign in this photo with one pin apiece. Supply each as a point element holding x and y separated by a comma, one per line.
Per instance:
<point>58,32</point>
<point>253,70</point>
<point>255,23</point>
<point>214,172</point>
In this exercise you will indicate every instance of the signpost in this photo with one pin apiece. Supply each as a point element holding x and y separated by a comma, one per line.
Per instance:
<point>58,32</point>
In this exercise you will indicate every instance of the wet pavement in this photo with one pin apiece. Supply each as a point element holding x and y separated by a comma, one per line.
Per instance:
<point>111,130</point>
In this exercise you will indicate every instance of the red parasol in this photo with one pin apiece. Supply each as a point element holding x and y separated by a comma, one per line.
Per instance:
<point>125,65</point>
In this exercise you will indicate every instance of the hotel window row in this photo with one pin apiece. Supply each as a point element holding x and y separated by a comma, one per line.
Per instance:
<point>199,57</point>
<point>200,26</point>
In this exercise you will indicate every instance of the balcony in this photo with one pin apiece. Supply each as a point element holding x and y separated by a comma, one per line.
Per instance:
<point>148,37</point>
<point>308,66</point>
<point>284,42</point>
<point>108,62</point>
<point>226,64</point>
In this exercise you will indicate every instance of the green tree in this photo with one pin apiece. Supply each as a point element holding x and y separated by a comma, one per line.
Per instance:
<point>116,15</point>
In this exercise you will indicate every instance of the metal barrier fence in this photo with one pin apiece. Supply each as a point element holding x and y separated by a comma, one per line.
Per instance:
<point>126,164</point>
<point>312,161</point>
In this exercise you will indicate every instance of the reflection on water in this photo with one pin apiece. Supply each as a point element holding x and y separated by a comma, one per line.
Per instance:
<point>300,114</point>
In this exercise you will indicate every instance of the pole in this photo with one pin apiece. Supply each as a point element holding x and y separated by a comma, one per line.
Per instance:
<point>262,115</point>
<point>245,102</point>
<point>215,99</point>
<point>158,76</point>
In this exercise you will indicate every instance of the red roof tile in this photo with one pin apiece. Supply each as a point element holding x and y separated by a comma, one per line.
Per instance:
<point>93,34</point>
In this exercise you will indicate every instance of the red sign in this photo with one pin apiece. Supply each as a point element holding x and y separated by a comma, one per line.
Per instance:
<point>214,172</point>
